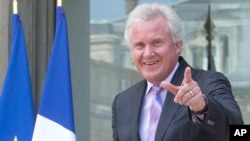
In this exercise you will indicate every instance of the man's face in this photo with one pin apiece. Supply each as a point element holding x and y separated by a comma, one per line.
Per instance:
<point>153,51</point>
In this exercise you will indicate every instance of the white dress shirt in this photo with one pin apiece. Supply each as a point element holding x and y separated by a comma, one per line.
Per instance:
<point>145,112</point>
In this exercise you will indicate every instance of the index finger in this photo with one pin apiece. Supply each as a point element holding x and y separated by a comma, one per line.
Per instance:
<point>187,75</point>
<point>170,87</point>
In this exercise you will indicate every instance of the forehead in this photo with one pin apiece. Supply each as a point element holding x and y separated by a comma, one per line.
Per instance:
<point>149,28</point>
<point>151,24</point>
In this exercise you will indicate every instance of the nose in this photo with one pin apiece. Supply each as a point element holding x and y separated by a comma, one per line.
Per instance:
<point>148,52</point>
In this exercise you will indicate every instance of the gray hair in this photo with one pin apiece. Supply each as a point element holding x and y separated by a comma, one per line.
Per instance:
<point>147,11</point>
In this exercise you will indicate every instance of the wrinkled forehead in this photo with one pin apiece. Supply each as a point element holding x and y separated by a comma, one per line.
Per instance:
<point>149,19</point>
<point>156,21</point>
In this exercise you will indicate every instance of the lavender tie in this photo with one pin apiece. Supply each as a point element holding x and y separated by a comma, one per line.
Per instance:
<point>155,112</point>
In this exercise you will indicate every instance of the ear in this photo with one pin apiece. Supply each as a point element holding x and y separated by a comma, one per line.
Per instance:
<point>178,46</point>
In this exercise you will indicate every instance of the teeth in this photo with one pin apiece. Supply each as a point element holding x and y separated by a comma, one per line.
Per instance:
<point>150,63</point>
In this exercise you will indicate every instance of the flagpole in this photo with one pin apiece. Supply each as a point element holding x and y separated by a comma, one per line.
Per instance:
<point>15,7</point>
<point>59,2</point>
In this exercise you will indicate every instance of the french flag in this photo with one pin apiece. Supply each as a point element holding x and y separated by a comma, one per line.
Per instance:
<point>55,118</point>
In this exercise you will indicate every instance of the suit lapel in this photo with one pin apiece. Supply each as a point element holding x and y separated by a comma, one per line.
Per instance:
<point>170,108</point>
<point>135,111</point>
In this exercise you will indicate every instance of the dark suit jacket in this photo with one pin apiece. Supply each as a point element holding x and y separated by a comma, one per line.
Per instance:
<point>175,123</point>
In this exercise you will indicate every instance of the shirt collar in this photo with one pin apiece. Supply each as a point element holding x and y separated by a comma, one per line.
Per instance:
<point>168,79</point>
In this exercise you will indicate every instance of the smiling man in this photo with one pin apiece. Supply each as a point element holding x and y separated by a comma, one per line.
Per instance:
<point>174,102</point>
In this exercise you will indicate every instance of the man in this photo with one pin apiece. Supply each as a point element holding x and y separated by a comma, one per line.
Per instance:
<point>175,102</point>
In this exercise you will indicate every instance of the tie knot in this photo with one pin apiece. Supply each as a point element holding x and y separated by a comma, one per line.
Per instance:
<point>156,89</point>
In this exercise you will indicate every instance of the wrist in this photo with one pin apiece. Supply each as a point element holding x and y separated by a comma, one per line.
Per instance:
<point>204,109</point>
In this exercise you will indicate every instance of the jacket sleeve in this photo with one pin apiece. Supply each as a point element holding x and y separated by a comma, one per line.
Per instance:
<point>223,110</point>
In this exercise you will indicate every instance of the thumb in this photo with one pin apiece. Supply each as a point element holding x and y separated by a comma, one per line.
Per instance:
<point>170,87</point>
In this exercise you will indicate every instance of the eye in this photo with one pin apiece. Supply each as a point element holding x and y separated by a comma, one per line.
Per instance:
<point>157,43</point>
<point>139,46</point>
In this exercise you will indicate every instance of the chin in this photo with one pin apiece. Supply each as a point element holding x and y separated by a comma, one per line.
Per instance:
<point>150,78</point>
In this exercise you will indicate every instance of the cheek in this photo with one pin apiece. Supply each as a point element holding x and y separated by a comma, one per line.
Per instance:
<point>168,56</point>
<point>173,51</point>
<point>135,56</point>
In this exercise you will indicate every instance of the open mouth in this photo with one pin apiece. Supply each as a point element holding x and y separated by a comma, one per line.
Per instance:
<point>151,63</point>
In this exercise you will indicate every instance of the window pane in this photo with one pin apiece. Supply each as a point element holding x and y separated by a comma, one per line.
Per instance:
<point>230,49</point>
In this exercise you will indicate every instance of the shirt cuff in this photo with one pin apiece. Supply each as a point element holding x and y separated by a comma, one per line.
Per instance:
<point>197,118</point>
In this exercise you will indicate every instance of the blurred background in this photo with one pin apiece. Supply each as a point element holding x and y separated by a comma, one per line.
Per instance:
<point>216,36</point>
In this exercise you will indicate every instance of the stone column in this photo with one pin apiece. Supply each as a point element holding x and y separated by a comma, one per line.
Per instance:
<point>4,38</point>
<point>130,5</point>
